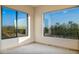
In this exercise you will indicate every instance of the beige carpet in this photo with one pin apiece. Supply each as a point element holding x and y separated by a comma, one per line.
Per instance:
<point>39,49</point>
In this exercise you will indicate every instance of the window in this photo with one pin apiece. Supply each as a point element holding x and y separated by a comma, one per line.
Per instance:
<point>14,23</point>
<point>62,23</point>
<point>8,23</point>
<point>22,24</point>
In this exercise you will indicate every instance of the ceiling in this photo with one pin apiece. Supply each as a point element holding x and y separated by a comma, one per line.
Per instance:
<point>34,5</point>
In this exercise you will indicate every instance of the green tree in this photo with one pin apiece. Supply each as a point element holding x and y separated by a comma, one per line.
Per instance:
<point>45,30</point>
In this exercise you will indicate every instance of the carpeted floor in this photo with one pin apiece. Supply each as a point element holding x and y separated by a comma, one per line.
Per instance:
<point>39,49</point>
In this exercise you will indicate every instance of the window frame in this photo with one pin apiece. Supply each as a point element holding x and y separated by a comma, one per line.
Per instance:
<point>43,24</point>
<point>16,23</point>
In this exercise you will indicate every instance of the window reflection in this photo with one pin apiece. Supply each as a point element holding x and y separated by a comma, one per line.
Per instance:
<point>14,23</point>
<point>8,24</point>
<point>22,25</point>
<point>62,23</point>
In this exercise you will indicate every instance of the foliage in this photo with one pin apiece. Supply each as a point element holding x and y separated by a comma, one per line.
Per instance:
<point>66,30</point>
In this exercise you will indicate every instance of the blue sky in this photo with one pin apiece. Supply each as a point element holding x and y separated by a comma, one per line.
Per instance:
<point>22,17</point>
<point>62,16</point>
<point>9,18</point>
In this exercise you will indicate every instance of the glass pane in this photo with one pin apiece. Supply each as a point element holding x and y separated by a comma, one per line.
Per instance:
<point>62,23</point>
<point>22,24</point>
<point>8,23</point>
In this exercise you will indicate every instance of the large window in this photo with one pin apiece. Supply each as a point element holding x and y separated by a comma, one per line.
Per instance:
<point>14,23</point>
<point>22,26</point>
<point>8,23</point>
<point>62,23</point>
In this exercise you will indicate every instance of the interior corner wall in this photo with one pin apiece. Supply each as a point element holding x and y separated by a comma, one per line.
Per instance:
<point>13,42</point>
<point>34,24</point>
<point>60,42</point>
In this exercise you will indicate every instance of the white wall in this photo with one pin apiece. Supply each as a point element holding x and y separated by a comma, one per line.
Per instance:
<point>66,43</point>
<point>13,42</point>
